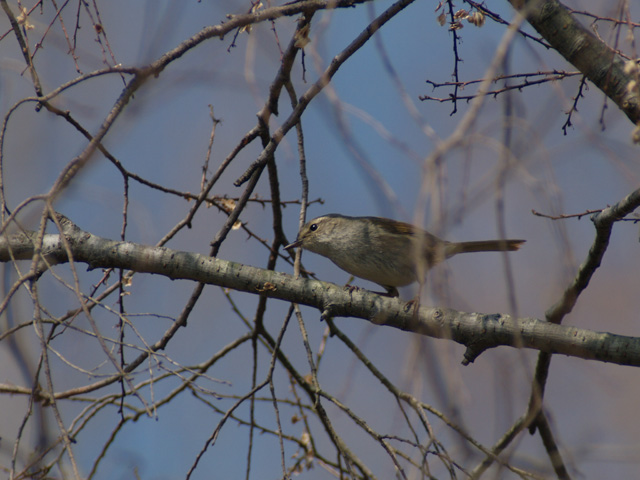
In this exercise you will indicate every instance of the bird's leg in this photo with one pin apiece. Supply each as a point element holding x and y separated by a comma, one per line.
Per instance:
<point>391,291</point>
<point>414,303</point>
<point>416,300</point>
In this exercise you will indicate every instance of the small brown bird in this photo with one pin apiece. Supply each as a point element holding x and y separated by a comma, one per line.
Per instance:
<point>382,250</point>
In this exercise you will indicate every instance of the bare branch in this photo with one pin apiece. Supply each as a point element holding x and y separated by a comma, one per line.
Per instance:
<point>475,330</point>
<point>607,70</point>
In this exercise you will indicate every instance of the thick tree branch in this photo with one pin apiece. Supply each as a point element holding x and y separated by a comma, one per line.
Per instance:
<point>603,222</point>
<point>608,71</point>
<point>477,331</point>
<point>535,417</point>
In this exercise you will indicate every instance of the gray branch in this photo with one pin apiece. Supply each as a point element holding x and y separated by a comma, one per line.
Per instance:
<point>477,331</point>
<point>606,68</point>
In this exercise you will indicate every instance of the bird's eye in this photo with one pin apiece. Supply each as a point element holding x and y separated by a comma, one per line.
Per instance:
<point>313,227</point>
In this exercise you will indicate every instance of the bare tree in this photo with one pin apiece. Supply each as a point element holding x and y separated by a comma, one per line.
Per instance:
<point>153,326</point>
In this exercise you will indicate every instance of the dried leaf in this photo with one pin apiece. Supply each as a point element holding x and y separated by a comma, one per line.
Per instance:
<point>476,18</point>
<point>302,37</point>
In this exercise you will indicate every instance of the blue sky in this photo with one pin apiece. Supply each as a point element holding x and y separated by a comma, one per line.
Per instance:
<point>164,133</point>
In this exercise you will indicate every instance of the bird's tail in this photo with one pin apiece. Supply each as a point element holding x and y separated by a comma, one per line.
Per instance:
<point>454,248</point>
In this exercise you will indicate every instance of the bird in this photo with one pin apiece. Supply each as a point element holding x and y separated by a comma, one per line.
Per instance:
<point>383,250</point>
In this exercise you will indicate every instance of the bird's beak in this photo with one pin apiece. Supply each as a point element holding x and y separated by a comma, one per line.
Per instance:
<point>295,244</point>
